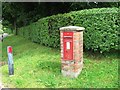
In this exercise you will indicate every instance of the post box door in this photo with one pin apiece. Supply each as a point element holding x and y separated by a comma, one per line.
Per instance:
<point>68,49</point>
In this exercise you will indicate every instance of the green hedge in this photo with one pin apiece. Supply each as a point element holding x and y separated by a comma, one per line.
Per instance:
<point>101,28</point>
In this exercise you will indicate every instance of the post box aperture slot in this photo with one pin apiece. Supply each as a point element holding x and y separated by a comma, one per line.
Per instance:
<point>67,36</point>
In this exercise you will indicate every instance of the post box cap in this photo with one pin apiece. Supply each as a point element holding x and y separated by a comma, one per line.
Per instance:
<point>72,28</point>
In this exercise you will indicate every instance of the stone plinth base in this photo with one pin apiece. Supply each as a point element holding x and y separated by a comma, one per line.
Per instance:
<point>69,69</point>
<point>71,74</point>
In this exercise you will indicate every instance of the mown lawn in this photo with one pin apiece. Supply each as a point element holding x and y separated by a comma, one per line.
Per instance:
<point>37,66</point>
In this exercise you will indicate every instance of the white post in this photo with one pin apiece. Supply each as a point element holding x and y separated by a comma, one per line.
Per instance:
<point>10,60</point>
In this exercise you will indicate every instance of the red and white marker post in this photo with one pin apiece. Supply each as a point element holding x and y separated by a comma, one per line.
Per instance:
<point>10,60</point>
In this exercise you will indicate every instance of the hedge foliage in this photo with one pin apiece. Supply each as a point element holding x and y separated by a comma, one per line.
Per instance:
<point>101,28</point>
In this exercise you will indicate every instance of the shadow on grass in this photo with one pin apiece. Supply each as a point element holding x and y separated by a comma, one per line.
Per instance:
<point>101,56</point>
<point>50,66</point>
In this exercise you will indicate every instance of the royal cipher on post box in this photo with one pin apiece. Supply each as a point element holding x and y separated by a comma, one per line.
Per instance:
<point>71,38</point>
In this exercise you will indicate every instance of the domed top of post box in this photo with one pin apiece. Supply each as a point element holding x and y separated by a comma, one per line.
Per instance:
<point>72,28</point>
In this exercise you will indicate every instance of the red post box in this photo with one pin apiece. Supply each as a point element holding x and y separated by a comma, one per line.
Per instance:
<point>71,38</point>
<point>68,45</point>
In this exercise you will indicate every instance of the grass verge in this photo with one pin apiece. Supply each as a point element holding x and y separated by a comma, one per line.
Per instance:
<point>37,66</point>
